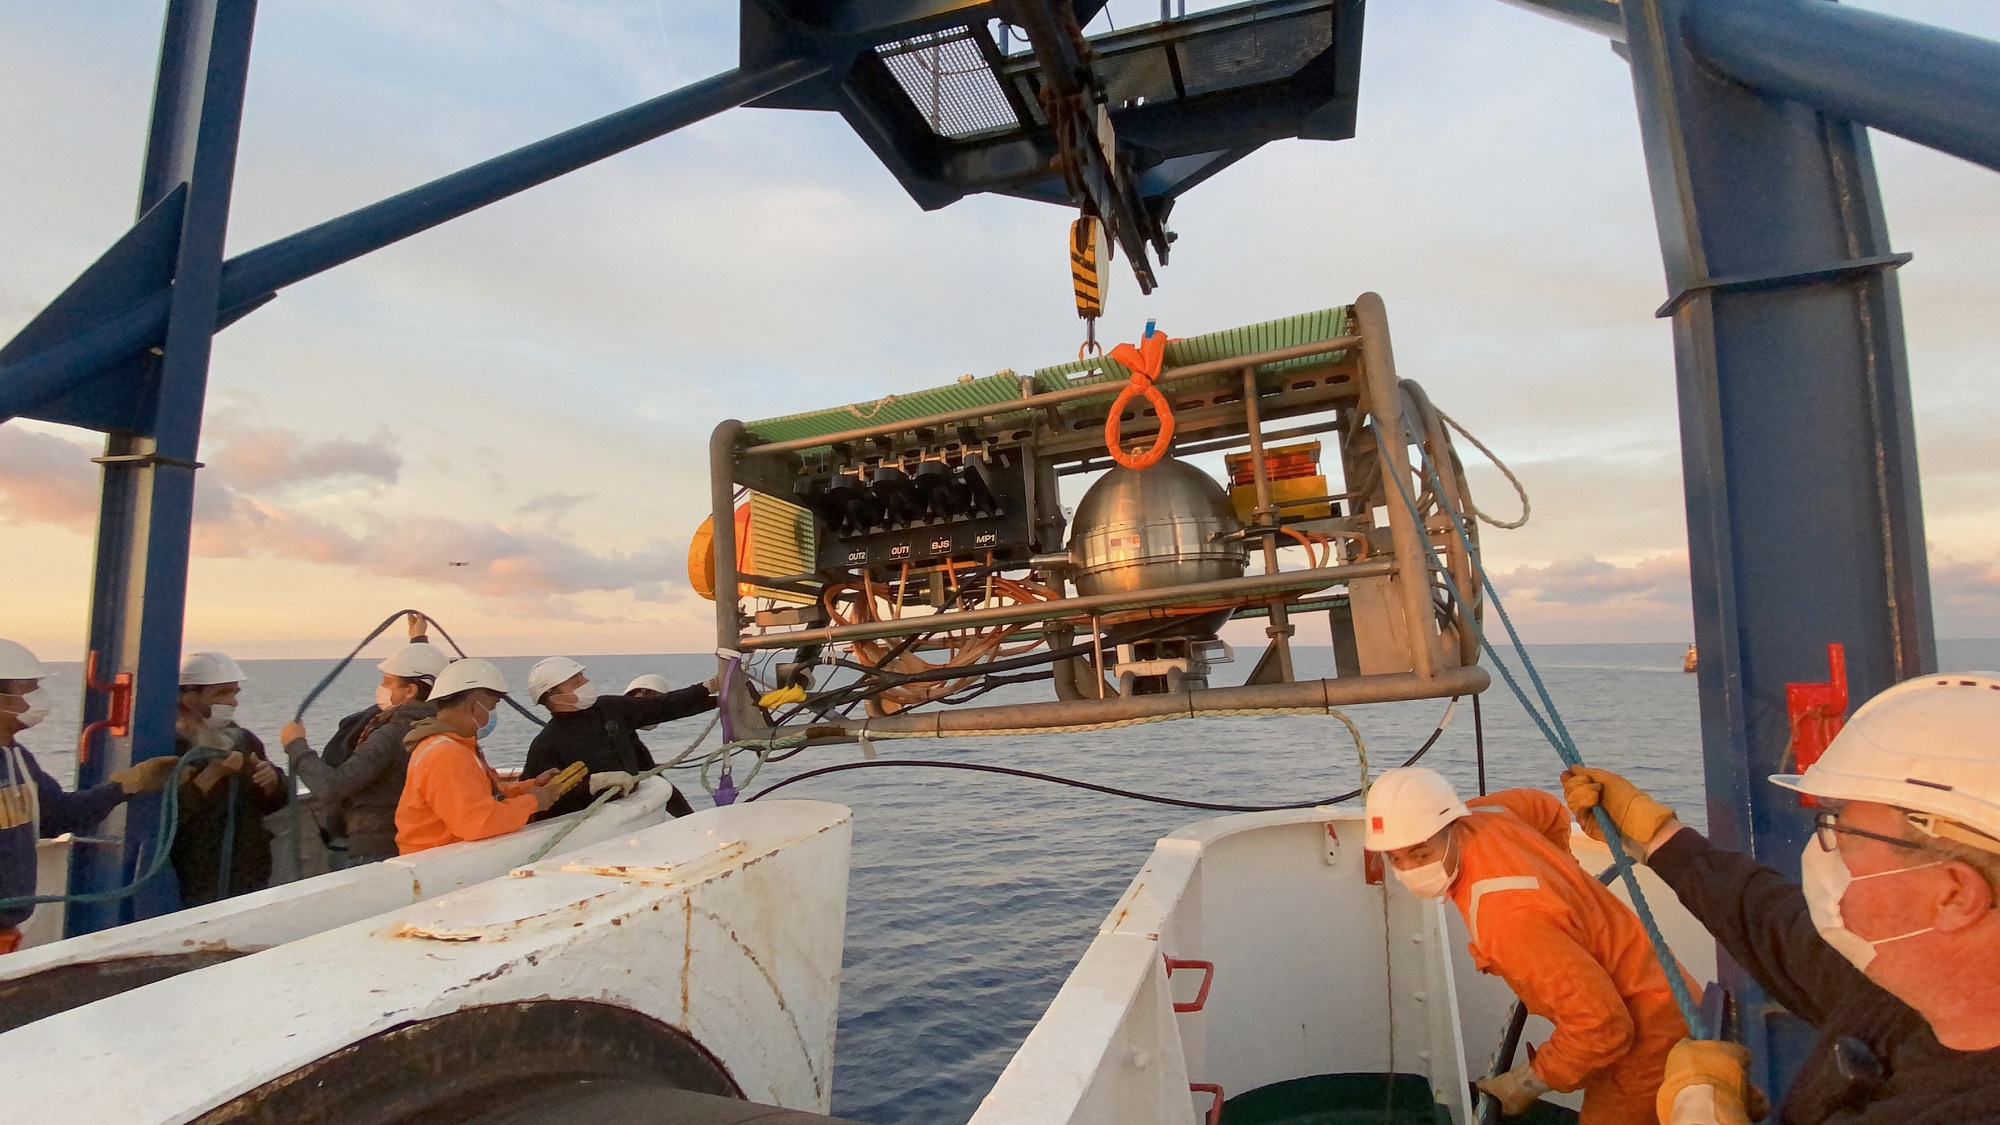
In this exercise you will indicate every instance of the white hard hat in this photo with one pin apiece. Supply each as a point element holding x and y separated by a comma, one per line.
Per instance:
<point>17,663</point>
<point>650,682</point>
<point>206,669</point>
<point>466,674</point>
<point>418,660</point>
<point>1931,744</point>
<point>546,674</point>
<point>1408,806</point>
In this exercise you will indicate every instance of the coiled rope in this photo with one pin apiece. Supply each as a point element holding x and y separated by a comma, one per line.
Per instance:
<point>1520,489</point>
<point>1552,728</point>
<point>163,839</point>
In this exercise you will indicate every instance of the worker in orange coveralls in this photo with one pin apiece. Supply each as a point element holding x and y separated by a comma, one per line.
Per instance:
<point>451,794</point>
<point>1571,951</point>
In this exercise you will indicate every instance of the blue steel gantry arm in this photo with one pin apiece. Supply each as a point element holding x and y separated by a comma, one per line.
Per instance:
<point>1805,524</point>
<point>126,348</point>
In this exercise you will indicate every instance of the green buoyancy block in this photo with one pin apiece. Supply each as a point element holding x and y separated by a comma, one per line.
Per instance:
<point>1325,324</point>
<point>1359,1099</point>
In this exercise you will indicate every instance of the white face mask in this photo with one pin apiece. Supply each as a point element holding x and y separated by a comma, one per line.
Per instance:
<point>1826,878</point>
<point>384,696</point>
<point>220,715</point>
<point>38,708</point>
<point>1431,880</point>
<point>586,697</point>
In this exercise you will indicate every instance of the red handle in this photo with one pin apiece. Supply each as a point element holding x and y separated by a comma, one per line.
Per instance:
<point>118,709</point>
<point>1215,1107</point>
<point>1207,978</point>
<point>1817,712</point>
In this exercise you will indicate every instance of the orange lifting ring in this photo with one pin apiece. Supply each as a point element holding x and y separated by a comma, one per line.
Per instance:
<point>1144,362</point>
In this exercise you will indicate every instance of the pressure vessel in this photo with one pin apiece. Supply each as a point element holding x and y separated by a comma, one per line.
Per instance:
<point>1145,529</point>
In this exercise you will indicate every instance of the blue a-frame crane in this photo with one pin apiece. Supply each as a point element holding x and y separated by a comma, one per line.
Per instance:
<point>1804,521</point>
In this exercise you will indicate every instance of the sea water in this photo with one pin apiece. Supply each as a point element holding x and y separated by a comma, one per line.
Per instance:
<point>972,895</point>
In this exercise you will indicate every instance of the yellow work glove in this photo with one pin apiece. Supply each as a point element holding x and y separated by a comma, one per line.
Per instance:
<point>149,776</point>
<point>1638,816</point>
<point>1706,1084</point>
<point>790,693</point>
<point>1517,1089</point>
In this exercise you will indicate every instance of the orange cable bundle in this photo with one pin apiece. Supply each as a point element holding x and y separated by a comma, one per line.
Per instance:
<point>1144,362</point>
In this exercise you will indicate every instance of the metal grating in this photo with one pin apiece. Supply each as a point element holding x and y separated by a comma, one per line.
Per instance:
<point>949,79</point>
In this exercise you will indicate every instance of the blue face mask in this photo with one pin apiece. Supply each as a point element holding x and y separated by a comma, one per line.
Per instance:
<point>492,720</point>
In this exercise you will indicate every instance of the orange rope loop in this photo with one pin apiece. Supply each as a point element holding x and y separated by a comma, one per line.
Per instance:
<point>1144,362</point>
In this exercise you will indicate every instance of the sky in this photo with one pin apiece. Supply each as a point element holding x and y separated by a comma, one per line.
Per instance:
<point>529,390</point>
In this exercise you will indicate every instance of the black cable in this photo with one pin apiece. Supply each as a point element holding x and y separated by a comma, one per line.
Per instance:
<point>1479,741</point>
<point>1032,775</point>
<point>429,624</point>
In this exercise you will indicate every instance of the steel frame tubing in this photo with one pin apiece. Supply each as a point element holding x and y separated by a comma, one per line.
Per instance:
<point>1384,404</point>
<point>1798,450</point>
<point>253,277</point>
<point>1926,84</point>
<point>1064,609</point>
<point>1188,703</point>
<point>139,584</point>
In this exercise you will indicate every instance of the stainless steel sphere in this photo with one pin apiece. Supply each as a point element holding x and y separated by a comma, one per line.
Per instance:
<point>1142,529</point>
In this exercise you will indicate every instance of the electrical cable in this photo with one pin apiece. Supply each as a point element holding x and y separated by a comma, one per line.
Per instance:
<point>1479,744</point>
<point>294,818</point>
<point>1109,790</point>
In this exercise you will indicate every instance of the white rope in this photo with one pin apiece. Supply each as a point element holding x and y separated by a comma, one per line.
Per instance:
<point>1519,489</point>
<point>1361,746</point>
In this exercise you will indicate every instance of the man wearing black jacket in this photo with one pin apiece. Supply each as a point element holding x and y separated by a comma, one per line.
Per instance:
<point>1891,949</point>
<point>600,730</point>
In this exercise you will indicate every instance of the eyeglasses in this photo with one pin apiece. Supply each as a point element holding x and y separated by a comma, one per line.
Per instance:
<point>1828,829</point>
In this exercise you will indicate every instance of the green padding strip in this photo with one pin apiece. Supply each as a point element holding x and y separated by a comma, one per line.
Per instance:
<point>1229,343</point>
<point>1360,1099</point>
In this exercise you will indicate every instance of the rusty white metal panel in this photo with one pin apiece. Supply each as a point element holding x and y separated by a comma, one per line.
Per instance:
<point>291,911</point>
<point>726,924</point>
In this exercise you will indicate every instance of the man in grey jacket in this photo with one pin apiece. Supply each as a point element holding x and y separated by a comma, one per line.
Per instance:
<point>356,794</point>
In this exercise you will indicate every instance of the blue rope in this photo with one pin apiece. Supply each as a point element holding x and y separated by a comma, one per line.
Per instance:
<point>162,846</point>
<point>1552,728</point>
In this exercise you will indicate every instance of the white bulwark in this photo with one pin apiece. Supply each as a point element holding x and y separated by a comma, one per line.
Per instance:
<point>725,926</point>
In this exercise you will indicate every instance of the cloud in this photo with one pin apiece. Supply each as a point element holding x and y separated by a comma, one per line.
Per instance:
<point>46,479</point>
<point>49,479</point>
<point>269,459</point>
<point>1662,580</point>
<point>1965,596</point>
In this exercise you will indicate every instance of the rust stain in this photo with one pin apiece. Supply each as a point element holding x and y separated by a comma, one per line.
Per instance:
<point>771,982</point>
<point>687,956</point>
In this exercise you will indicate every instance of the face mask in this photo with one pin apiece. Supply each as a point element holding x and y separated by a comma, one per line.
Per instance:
<point>220,715</point>
<point>586,697</point>
<point>38,708</point>
<point>492,720</point>
<point>383,697</point>
<point>1826,879</point>
<point>1431,880</point>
